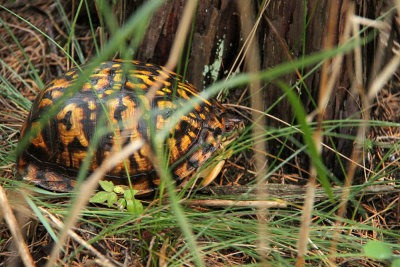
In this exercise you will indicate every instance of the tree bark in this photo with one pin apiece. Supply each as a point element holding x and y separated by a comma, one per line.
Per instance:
<point>216,26</point>
<point>283,36</point>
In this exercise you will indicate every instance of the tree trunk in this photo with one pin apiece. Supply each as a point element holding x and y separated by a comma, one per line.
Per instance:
<point>217,42</point>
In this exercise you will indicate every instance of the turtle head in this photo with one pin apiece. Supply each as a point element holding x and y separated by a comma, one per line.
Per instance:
<point>232,127</point>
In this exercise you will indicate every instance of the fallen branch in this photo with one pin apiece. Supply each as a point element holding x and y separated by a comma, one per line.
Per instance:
<point>234,203</point>
<point>293,193</point>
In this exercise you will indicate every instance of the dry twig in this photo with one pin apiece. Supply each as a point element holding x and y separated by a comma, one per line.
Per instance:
<point>15,229</point>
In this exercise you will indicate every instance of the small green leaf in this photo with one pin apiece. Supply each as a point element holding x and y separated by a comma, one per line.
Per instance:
<point>107,185</point>
<point>129,205</point>
<point>138,206</point>
<point>119,189</point>
<point>111,199</point>
<point>396,262</point>
<point>129,194</point>
<point>134,206</point>
<point>378,250</point>
<point>99,197</point>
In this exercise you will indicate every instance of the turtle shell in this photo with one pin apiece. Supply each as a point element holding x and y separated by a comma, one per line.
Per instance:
<point>112,99</point>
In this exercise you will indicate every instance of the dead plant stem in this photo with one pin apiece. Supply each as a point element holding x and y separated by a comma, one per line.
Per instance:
<point>253,65</point>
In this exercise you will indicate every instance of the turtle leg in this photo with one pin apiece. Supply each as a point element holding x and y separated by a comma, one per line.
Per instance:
<point>48,179</point>
<point>212,173</point>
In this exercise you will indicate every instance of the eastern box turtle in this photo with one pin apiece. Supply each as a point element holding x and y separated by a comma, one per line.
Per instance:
<point>52,159</point>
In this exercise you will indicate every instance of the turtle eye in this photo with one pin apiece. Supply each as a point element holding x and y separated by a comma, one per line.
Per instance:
<point>228,127</point>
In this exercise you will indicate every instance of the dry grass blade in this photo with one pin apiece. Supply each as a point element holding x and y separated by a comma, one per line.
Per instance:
<point>177,46</point>
<point>253,65</point>
<point>102,259</point>
<point>244,50</point>
<point>377,84</point>
<point>163,250</point>
<point>326,87</point>
<point>153,239</point>
<point>383,77</point>
<point>181,34</point>
<point>15,230</point>
<point>86,190</point>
